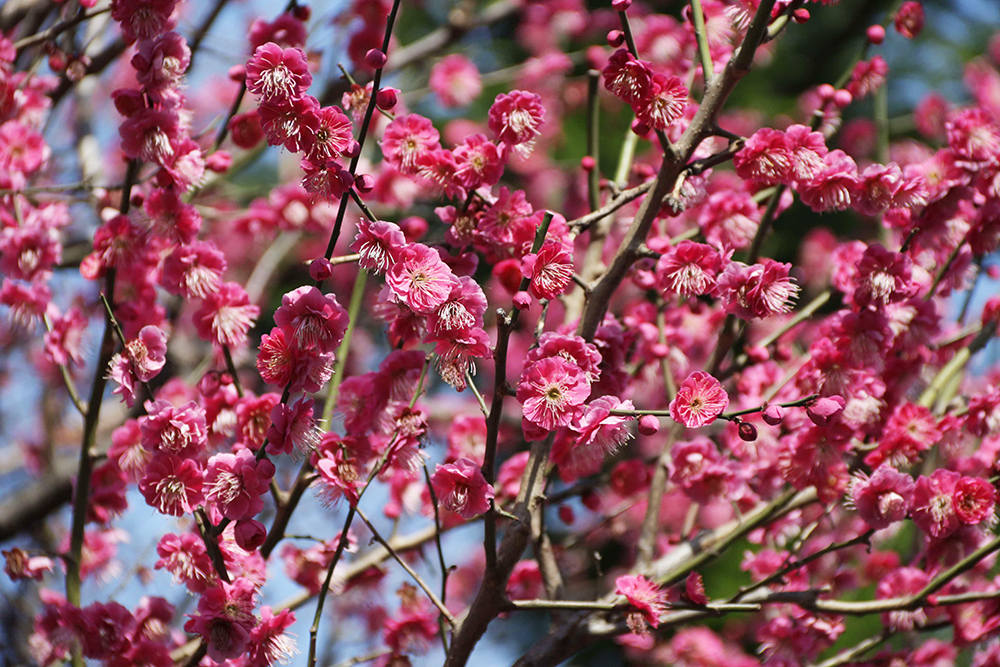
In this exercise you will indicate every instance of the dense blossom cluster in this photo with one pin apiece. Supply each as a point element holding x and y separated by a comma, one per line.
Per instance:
<point>631,385</point>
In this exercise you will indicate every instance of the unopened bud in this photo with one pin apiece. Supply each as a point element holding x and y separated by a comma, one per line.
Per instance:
<point>302,12</point>
<point>620,5</point>
<point>826,91</point>
<point>640,128</point>
<point>365,183</point>
<point>649,424</point>
<point>616,38</point>
<point>386,98</point>
<point>842,98</point>
<point>522,300</point>
<point>566,515</point>
<point>876,34</point>
<point>773,415</point>
<point>320,269</point>
<point>375,58</point>
<point>801,15</point>
<point>587,163</point>
<point>747,431</point>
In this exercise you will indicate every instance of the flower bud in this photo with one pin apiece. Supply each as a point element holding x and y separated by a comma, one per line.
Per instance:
<point>365,183</point>
<point>616,38</point>
<point>649,424</point>
<point>747,431</point>
<point>414,227</point>
<point>824,409</point>
<point>773,415</point>
<point>375,58</point>
<point>219,162</point>
<point>566,515</point>
<point>640,128</point>
<point>302,12</point>
<point>620,5</point>
<point>801,15</point>
<point>249,534</point>
<point>353,149</point>
<point>826,91</point>
<point>591,500</point>
<point>237,73</point>
<point>876,34</point>
<point>587,163</point>
<point>386,98</point>
<point>842,98</point>
<point>522,300</point>
<point>320,269</point>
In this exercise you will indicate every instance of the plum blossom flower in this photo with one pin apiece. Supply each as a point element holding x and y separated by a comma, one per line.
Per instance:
<point>312,320</point>
<point>461,488</point>
<point>551,392</point>
<point>277,75</point>
<point>237,482</point>
<point>143,19</point>
<point>884,498</point>
<point>933,507</point>
<point>379,243</point>
<point>765,159</point>
<point>173,485</point>
<point>455,80</point>
<point>420,278</point>
<point>688,269</point>
<point>141,361</point>
<point>627,78</point>
<point>757,291</point>
<point>179,430</point>
<point>550,271</point>
<point>225,619</point>
<point>193,271</point>
<point>226,316</point>
<point>270,642</point>
<point>974,499</point>
<point>515,117</point>
<point>405,139</point>
<point>700,399</point>
<point>645,597</point>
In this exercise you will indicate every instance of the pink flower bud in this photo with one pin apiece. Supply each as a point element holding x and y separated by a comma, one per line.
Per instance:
<point>747,432</point>
<point>587,163</point>
<point>876,34</point>
<point>353,149</point>
<point>320,269</point>
<point>566,515</point>
<point>640,128</point>
<point>801,15</point>
<point>758,354</point>
<point>302,12</point>
<point>237,73</point>
<point>522,300</point>
<point>824,409</point>
<point>616,38</point>
<point>660,350</point>
<point>825,91</point>
<point>649,424</point>
<point>249,534</point>
<point>413,227</point>
<point>620,5</point>
<point>993,271</point>
<point>591,500</point>
<point>375,58</point>
<point>386,98</point>
<point>842,98</point>
<point>219,162</point>
<point>365,183</point>
<point>773,415</point>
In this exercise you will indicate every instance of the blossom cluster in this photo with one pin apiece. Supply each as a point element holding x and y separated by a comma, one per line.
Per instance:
<point>624,372</point>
